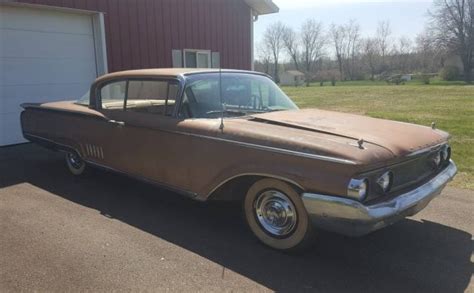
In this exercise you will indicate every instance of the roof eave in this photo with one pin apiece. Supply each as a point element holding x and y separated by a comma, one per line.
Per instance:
<point>262,7</point>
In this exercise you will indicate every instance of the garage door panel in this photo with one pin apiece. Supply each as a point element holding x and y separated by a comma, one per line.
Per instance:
<point>46,92</point>
<point>45,55</point>
<point>11,132</point>
<point>38,20</point>
<point>22,71</point>
<point>15,96</point>
<point>18,44</point>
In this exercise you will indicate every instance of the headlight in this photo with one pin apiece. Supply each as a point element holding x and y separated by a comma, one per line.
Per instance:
<point>385,181</point>
<point>358,189</point>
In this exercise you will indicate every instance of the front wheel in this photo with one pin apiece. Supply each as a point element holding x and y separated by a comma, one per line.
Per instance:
<point>75,163</point>
<point>276,215</point>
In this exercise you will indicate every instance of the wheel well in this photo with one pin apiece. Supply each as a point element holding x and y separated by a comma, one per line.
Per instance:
<point>67,149</point>
<point>236,188</point>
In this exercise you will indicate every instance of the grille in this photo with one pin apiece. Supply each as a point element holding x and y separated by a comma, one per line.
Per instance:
<point>407,175</point>
<point>415,171</point>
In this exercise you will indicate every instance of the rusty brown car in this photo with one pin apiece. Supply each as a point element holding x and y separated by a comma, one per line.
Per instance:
<point>234,135</point>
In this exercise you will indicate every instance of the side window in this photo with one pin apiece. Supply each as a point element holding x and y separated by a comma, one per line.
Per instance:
<point>113,95</point>
<point>151,96</point>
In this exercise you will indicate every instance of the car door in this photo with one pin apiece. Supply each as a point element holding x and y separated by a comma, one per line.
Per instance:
<point>106,135</point>
<point>143,140</point>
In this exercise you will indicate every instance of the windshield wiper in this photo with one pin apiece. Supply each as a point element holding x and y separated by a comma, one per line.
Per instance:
<point>226,111</point>
<point>242,112</point>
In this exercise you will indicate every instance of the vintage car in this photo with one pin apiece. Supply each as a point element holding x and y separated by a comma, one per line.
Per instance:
<point>234,135</point>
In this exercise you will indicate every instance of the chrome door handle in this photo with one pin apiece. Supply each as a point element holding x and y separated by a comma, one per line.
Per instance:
<point>118,123</point>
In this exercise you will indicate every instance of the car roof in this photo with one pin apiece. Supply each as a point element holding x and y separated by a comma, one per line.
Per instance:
<point>169,72</point>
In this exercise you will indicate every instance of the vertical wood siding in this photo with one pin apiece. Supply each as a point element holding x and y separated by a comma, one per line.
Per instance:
<point>142,33</point>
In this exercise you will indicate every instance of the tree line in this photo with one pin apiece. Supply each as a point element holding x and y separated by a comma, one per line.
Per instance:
<point>340,52</point>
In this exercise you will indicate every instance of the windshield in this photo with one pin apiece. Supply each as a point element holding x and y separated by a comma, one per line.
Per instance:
<point>242,94</point>
<point>84,100</point>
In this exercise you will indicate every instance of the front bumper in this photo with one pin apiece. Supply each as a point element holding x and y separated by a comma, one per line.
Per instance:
<point>352,218</point>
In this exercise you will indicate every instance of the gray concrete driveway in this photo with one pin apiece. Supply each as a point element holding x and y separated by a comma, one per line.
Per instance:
<point>106,232</point>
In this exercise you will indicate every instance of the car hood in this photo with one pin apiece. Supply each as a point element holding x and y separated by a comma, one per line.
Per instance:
<point>397,137</point>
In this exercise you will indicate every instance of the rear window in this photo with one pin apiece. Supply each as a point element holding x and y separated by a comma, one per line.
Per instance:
<point>147,96</point>
<point>113,95</point>
<point>151,96</point>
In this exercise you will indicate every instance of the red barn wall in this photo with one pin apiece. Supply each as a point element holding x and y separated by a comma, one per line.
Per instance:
<point>143,33</point>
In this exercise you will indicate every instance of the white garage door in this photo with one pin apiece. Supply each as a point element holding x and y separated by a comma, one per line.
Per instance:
<point>45,55</point>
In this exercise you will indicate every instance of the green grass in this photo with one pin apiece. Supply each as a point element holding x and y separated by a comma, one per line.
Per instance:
<point>450,106</point>
<point>414,82</point>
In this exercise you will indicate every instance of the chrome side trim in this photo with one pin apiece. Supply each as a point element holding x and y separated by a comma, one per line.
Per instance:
<point>63,146</point>
<point>353,218</point>
<point>257,146</point>
<point>254,174</point>
<point>271,149</point>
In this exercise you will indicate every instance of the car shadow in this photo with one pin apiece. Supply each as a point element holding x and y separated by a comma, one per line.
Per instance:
<point>411,255</point>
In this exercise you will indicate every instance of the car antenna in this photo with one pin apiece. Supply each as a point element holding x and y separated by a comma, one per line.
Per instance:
<point>221,127</point>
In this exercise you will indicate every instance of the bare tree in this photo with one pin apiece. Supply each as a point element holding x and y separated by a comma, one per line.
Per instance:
<point>264,56</point>
<point>346,42</point>
<point>453,26</point>
<point>402,53</point>
<point>371,55</point>
<point>352,45</point>
<point>383,38</point>
<point>338,37</point>
<point>430,56</point>
<point>379,54</point>
<point>291,44</point>
<point>312,41</point>
<point>273,39</point>
<point>424,47</point>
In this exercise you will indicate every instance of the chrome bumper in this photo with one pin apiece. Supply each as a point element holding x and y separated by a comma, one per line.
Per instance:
<point>352,218</point>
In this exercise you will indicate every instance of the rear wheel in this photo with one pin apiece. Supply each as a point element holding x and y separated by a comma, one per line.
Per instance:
<point>276,215</point>
<point>75,163</point>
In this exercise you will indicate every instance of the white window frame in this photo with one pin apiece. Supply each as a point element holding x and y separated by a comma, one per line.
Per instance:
<point>197,51</point>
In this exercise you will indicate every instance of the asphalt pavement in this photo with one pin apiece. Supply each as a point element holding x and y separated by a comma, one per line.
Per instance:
<point>105,232</point>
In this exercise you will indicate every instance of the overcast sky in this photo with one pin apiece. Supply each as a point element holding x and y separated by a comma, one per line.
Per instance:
<point>407,17</point>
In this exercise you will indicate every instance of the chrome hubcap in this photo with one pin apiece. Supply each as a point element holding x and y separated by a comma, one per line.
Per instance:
<point>75,160</point>
<point>275,212</point>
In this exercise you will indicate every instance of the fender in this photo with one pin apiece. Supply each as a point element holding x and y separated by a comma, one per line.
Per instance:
<point>227,175</point>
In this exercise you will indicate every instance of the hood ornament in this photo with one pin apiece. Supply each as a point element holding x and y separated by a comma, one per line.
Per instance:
<point>433,125</point>
<point>360,142</point>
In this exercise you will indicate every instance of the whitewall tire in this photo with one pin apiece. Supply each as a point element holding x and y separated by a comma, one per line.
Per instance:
<point>276,215</point>
<point>75,163</point>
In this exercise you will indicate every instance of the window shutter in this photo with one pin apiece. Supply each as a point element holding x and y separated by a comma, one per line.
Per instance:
<point>177,56</point>
<point>215,60</point>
